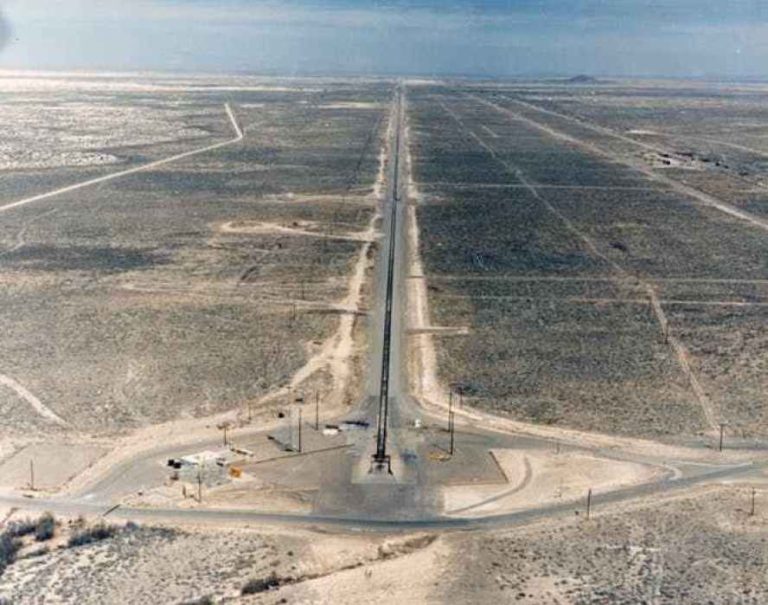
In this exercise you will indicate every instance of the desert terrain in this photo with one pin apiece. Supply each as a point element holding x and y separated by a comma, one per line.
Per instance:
<point>231,304</point>
<point>602,290</point>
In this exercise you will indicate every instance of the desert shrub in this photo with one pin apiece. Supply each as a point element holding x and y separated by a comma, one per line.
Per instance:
<point>45,527</point>
<point>257,585</point>
<point>131,526</point>
<point>89,535</point>
<point>204,600</point>
<point>38,552</point>
<point>9,546</point>
<point>21,528</point>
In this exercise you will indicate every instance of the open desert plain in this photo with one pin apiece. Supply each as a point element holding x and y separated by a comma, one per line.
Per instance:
<point>323,340</point>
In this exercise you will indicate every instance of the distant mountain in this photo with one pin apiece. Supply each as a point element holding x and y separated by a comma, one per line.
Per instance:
<point>582,79</point>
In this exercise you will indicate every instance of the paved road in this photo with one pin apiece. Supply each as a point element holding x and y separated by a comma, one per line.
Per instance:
<point>364,522</point>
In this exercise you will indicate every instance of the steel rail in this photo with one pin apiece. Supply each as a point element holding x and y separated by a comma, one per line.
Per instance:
<point>381,460</point>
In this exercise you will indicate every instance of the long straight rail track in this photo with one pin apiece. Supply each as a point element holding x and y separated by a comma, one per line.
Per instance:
<point>381,459</point>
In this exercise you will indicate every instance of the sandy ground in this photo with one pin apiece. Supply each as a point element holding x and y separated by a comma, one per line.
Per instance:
<point>33,401</point>
<point>538,478</point>
<point>247,493</point>
<point>351,105</point>
<point>297,228</point>
<point>53,464</point>
<point>258,497</point>
<point>364,569</point>
<point>422,357</point>
<point>399,579</point>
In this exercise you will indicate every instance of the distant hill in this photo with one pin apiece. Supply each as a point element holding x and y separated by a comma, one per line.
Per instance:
<point>584,79</point>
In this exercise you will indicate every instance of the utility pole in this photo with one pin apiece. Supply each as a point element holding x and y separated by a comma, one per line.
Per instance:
<point>450,413</point>
<point>452,424</point>
<point>298,401</point>
<point>589,503</point>
<point>32,475</point>
<point>225,427</point>
<point>752,509</point>
<point>299,430</point>
<point>722,428</point>
<point>200,483</point>
<point>317,410</point>
<point>290,429</point>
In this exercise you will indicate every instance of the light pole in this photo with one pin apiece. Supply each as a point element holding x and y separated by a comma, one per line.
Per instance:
<point>722,429</point>
<point>224,427</point>
<point>299,400</point>
<point>299,430</point>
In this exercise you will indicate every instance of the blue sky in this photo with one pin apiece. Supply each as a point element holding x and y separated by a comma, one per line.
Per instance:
<point>427,37</point>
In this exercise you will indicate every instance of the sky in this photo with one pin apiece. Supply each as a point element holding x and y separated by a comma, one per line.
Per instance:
<point>491,38</point>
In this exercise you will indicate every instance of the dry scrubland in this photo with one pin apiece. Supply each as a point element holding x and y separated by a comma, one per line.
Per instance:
<point>543,234</point>
<point>192,287</point>
<point>112,563</point>
<point>200,285</point>
<point>75,561</point>
<point>702,548</point>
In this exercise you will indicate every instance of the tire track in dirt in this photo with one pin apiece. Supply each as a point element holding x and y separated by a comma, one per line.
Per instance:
<point>33,401</point>
<point>650,146</point>
<point>528,475</point>
<point>260,228</point>
<point>143,168</point>
<point>610,301</point>
<point>566,278</point>
<point>20,236</point>
<point>686,190</point>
